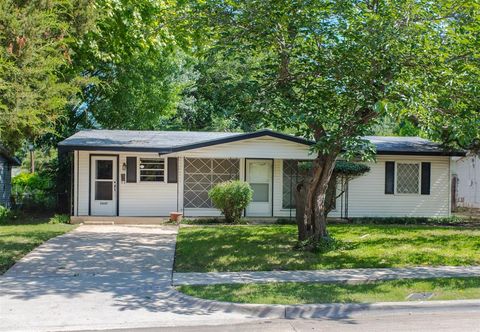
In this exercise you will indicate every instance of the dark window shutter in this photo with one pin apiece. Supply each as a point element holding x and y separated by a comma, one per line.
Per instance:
<point>131,169</point>
<point>426,171</point>
<point>172,168</point>
<point>389,177</point>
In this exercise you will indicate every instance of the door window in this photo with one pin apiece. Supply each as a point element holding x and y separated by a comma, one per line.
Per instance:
<point>260,192</point>
<point>103,180</point>
<point>104,170</point>
<point>103,191</point>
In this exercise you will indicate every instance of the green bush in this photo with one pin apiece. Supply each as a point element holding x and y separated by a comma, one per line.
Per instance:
<point>286,221</point>
<point>211,221</point>
<point>59,219</point>
<point>5,214</point>
<point>453,220</point>
<point>33,191</point>
<point>231,197</point>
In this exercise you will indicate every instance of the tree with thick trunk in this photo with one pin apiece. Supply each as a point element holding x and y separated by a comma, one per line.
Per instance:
<point>330,70</point>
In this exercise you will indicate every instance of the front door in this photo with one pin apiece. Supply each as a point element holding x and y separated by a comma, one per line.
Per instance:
<point>104,186</point>
<point>259,176</point>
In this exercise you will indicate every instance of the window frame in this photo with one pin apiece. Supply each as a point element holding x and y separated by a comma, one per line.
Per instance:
<point>237,162</point>
<point>419,186</point>
<point>139,170</point>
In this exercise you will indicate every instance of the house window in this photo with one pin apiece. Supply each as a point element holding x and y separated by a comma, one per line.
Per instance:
<point>202,174</point>
<point>152,170</point>
<point>408,178</point>
<point>291,177</point>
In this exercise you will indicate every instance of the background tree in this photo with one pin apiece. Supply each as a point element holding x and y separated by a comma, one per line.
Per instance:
<point>35,40</point>
<point>330,70</point>
<point>136,57</point>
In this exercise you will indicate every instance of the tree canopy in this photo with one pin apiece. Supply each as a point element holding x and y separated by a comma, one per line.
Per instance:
<point>35,53</point>
<point>332,71</point>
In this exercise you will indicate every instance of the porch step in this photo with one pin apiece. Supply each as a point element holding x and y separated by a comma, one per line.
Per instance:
<point>97,220</point>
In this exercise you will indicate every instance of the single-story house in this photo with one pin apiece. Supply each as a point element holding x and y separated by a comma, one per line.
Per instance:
<point>467,175</point>
<point>6,163</point>
<point>152,173</point>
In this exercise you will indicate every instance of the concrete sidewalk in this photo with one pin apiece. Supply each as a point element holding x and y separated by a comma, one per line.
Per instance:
<point>100,277</point>
<point>343,275</point>
<point>111,277</point>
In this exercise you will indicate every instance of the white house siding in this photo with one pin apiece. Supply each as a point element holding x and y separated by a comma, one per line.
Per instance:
<point>367,196</point>
<point>468,185</point>
<point>135,199</point>
<point>82,182</point>
<point>261,147</point>
<point>254,148</point>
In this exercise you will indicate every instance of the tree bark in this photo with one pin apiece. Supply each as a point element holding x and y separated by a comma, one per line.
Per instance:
<point>313,226</point>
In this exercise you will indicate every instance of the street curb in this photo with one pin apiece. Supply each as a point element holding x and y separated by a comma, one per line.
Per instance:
<point>328,310</point>
<point>253,310</point>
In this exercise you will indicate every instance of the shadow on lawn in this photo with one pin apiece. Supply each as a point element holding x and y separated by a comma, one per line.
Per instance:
<point>16,243</point>
<point>271,248</point>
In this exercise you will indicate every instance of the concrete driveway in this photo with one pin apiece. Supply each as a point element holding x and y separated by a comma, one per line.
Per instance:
<point>98,277</point>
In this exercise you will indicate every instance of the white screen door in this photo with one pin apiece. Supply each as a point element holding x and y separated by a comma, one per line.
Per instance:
<point>103,194</point>
<point>259,176</point>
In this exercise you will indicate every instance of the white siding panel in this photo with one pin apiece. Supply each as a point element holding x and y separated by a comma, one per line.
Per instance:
<point>193,212</point>
<point>181,163</point>
<point>147,199</point>
<point>135,199</point>
<point>468,189</point>
<point>83,182</point>
<point>262,147</point>
<point>367,196</point>
<point>75,183</point>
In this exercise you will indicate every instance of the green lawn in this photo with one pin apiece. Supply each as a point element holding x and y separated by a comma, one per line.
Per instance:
<point>257,248</point>
<point>19,239</point>
<point>301,293</point>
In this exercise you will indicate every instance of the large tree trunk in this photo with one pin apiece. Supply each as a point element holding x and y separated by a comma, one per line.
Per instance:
<point>313,226</point>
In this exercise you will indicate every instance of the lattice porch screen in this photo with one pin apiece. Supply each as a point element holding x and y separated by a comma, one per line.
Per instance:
<point>202,174</point>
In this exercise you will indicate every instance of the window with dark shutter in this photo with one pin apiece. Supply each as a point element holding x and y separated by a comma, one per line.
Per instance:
<point>426,171</point>
<point>132,169</point>
<point>389,177</point>
<point>172,169</point>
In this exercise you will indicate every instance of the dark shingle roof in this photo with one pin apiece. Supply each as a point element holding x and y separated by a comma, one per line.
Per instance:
<point>409,146</point>
<point>174,141</point>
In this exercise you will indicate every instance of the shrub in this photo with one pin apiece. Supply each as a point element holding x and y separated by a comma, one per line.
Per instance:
<point>231,197</point>
<point>211,221</point>
<point>286,221</point>
<point>59,219</point>
<point>441,221</point>
<point>5,214</point>
<point>33,191</point>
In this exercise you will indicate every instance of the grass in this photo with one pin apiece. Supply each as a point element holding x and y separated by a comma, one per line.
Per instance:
<point>456,220</point>
<point>24,234</point>
<point>302,293</point>
<point>211,221</point>
<point>257,248</point>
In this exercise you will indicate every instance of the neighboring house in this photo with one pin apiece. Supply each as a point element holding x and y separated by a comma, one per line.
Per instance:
<point>152,173</point>
<point>468,181</point>
<point>6,164</point>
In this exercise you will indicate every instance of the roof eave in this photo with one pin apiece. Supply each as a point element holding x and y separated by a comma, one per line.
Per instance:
<point>69,148</point>
<point>242,137</point>
<point>62,147</point>
<point>423,153</point>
